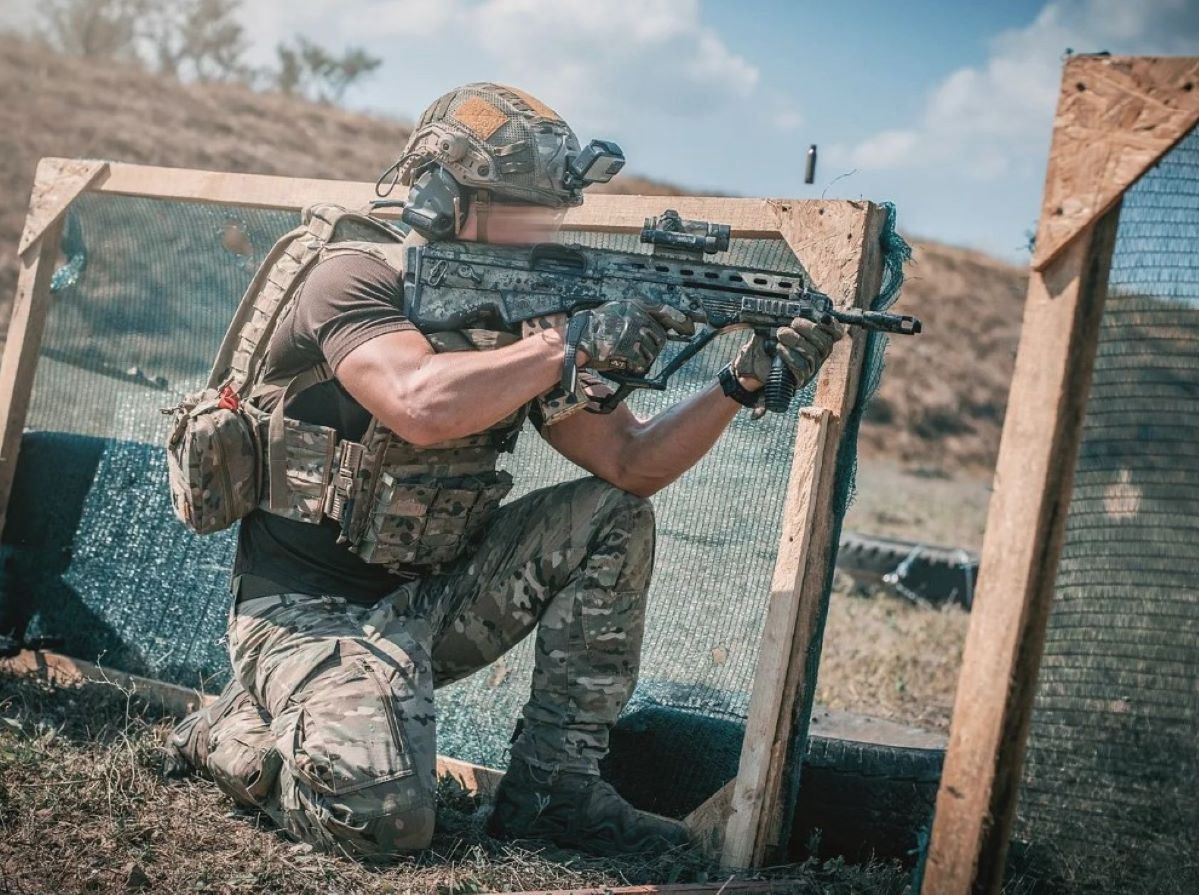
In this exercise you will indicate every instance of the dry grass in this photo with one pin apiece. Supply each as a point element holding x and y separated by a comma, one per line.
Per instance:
<point>885,657</point>
<point>84,808</point>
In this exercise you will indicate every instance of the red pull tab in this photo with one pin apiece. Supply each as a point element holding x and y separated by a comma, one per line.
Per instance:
<point>228,399</point>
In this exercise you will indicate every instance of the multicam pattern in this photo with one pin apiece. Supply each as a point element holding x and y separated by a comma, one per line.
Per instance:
<point>557,404</point>
<point>338,745</point>
<point>212,464</point>
<point>621,335</point>
<point>308,463</point>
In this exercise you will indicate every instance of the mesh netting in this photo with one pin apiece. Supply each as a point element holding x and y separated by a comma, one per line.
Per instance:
<point>1111,775</point>
<point>96,557</point>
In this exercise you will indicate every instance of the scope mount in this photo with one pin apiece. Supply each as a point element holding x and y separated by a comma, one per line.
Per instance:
<point>673,236</point>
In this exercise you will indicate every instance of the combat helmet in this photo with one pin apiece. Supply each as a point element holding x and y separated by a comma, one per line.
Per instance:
<point>505,143</point>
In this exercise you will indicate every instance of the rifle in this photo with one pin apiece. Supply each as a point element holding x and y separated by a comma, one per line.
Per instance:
<point>459,285</point>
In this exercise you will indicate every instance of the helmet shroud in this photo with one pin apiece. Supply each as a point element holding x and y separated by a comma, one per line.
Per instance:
<point>495,138</point>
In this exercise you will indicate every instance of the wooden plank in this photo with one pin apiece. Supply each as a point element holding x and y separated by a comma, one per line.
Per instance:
<point>55,186</point>
<point>19,362</point>
<point>474,778</point>
<point>712,888</point>
<point>839,245</point>
<point>63,671</point>
<point>601,212</point>
<point>758,749</point>
<point>707,822</point>
<point>1116,116</point>
<point>1025,526</point>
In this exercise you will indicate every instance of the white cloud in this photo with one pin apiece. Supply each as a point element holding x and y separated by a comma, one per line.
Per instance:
<point>605,64</point>
<point>987,122</point>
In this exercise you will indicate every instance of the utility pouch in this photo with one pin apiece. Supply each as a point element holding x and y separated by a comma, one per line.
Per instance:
<point>426,520</point>
<point>213,460</point>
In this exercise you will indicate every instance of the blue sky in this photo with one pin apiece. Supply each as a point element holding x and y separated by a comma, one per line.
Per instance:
<point>944,108</point>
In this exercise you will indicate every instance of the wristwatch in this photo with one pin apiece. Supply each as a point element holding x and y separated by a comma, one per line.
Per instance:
<point>732,387</point>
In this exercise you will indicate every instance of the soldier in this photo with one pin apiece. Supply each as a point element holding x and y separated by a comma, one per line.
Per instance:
<point>336,648</point>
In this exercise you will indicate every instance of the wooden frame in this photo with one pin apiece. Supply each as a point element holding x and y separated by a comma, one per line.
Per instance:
<point>1116,117</point>
<point>838,243</point>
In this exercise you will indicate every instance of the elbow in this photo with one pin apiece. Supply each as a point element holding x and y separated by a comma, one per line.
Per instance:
<point>418,436</point>
<point>642,488</point>
<point>637,483</point>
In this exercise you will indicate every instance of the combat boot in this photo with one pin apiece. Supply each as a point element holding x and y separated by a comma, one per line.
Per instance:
<point>577,810</point>
<point>188,745</point>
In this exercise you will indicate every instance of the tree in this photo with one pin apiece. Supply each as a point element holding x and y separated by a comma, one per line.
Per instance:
<point>199,40</point>
<point>309,70</point>
<point>94,29</point>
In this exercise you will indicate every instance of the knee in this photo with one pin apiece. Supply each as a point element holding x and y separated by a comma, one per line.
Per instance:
<point>378,823</point>
<point>611,505</point>
<point>621,539</point>
<point>401,829</point>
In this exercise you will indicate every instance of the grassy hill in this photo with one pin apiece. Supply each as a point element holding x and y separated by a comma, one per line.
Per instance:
<point>942,399</point>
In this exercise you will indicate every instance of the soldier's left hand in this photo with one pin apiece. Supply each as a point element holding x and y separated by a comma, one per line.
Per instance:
<point>803,345</point>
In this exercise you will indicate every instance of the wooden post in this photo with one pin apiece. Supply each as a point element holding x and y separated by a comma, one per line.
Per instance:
<point>55,185</point>
<point>784,682</point>
<point>1025,526</point>
<point>1116,116</point>
<point>21,351</point>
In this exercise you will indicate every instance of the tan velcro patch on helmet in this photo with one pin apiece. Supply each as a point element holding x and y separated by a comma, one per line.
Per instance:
<point>540,109</point>
<point>480,116</point>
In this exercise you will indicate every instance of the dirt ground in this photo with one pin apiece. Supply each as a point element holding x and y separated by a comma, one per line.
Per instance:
<point>84,808</point>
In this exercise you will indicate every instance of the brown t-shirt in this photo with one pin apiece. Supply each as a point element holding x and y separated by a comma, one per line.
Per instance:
<point>345,301</point>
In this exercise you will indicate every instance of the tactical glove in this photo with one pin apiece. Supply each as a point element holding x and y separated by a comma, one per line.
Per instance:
<point>625,335</point>
<point>803,346</point>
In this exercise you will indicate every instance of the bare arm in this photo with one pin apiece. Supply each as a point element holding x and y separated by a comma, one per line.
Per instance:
<point>426,397</point>
<point>644,456</point>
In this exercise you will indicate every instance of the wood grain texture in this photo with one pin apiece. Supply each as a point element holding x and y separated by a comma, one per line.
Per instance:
<point>55,185</point>
<point>1025,527</point>
<point>707,822</point>
<point>601,212</point>
<point>19,363</point>
<point>760,748</point>
<point>849,264</point>
<point>1116,116</point>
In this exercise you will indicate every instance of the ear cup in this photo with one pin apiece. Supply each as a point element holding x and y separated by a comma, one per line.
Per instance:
<point>434,204</point>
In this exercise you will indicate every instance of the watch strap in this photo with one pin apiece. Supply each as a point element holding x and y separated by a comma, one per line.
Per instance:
<point>732,387</point>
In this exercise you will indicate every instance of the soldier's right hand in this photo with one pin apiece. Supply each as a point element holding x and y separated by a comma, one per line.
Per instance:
<point>626,335</point>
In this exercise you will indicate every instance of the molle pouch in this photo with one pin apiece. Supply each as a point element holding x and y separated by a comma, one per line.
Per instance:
<point>425,521</point>
<point>300,464</point>
<point>212,460</point>
<point>396,520</point>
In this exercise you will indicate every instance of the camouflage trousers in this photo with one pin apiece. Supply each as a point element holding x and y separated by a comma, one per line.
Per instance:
<point>336,740</point>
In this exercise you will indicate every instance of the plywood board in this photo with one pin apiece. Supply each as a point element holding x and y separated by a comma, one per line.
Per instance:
<point>1116,116</point>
